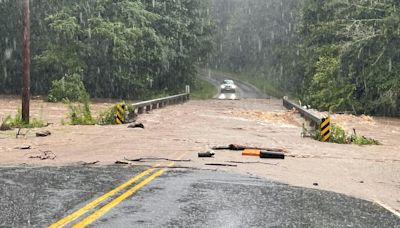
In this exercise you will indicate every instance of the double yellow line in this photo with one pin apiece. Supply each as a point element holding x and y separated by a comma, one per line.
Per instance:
<point>100,212</point>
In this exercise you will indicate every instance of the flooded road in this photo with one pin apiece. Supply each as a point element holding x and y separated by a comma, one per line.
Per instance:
<point>38,197</point>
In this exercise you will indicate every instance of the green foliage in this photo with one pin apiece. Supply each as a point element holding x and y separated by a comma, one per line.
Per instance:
<point>80,114</point>
<point>334,55</point>
<point>107,117</point>
<point>122,49</point>
<point>69,88</point>
<point>340,136</point>
<point>16,122</point>
<point>203,90</point>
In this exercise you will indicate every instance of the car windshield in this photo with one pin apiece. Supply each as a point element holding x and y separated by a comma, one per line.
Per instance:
<point>229,82</point>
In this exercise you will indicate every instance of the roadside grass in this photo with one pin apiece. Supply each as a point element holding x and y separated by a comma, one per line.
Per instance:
<point>203,90</point>
<point>16,122</point>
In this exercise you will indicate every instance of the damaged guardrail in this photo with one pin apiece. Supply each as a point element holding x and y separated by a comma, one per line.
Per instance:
<point>315,120</point>
<point>143,106</point>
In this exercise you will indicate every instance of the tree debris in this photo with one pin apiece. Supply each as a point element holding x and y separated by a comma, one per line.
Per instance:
<point>220,164</point>
<point>241,147</point>
<point>256,162</point>
<point>121,163</point>
<point>90,163</point>
<point>19,133</point>
<point>45,155</point>
<point>23,147</point>
<point>156,159</point>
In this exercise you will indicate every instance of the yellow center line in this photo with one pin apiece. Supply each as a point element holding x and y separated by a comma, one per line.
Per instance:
<point>97,201</point>
<point>97,214</point>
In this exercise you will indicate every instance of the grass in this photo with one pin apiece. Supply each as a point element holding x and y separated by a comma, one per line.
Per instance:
<point>203,90</point>
<point>17,122</point>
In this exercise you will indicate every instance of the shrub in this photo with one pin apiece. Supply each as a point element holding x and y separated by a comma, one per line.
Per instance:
<point>340,136</point>
<point>107,117</point>
<point>17,122</point>
<point>80,114</point>
<point>68,88</point>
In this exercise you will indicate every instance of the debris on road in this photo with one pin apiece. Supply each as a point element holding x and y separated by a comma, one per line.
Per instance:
<point>22,147</point>
<point>153,159</point>
<point>251,152</point>
<point>241,147</point>
<point>256,162</point>
<point>220,164</point>
<point>315,184</point>
<point>272,154</point>
<point>19,133</point>
<point>90,163</point>
<point>136,125</point>
<point>44,155</point>
<point>207,154</point>
<point>43,133</point>
<point>121,163</point>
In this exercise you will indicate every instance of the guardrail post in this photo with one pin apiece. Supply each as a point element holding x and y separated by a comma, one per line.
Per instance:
<point>140,110</point>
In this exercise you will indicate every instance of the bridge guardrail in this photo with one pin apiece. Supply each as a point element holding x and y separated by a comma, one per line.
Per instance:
<point>304,112</point>
<point>143,106</point>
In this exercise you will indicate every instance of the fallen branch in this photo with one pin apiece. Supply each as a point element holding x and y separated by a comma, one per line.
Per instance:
<point>241,147</point>
<point>45,155</point>
<point>23,147</point>
<point>90,163</point>
<point>220,164</point>
<point>156,159</point>
<point>257,162</point>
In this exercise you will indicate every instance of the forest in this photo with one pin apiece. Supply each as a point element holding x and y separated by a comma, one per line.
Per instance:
<point>335,55</point>
<point>120,49</point>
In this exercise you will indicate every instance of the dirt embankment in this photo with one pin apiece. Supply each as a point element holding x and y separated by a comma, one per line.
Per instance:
<point>369,172</point>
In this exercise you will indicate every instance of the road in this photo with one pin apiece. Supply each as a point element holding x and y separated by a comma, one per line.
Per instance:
<point>244,91</point>
<point>38,197</point>
<point>188,194</point>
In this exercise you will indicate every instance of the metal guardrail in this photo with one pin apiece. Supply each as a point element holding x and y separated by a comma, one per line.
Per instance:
<point>143,106</point>
<point>304,112</point>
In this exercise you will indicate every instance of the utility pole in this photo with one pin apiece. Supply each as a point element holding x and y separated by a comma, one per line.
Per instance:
<point>26,62</point>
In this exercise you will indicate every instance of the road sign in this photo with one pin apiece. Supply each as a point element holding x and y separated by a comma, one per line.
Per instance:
<point>119,113</point>
<point>325,129</point>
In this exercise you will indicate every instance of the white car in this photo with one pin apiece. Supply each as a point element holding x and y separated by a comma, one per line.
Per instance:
<point>228,86</point>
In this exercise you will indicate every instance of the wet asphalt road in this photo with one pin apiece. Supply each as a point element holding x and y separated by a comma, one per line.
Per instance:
<point>37,197</point>
<point>244,91</point>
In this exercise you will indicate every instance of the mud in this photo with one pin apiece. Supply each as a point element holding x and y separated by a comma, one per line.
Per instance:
<point>368,172</point>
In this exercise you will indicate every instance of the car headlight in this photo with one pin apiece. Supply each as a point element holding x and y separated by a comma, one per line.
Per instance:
<point>223,86</point>
<point>233,86</point>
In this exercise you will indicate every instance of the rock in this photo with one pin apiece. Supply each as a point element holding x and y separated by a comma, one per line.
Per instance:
<point>136,125</point>
<point>43,133</point>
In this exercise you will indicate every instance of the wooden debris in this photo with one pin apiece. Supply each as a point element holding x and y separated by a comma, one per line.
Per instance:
<point>90,163</point>
<point>241,147</point>
<point>155,159</point>
<point>45,155</point>
<point>220,164</point>
<point>23,147</point>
